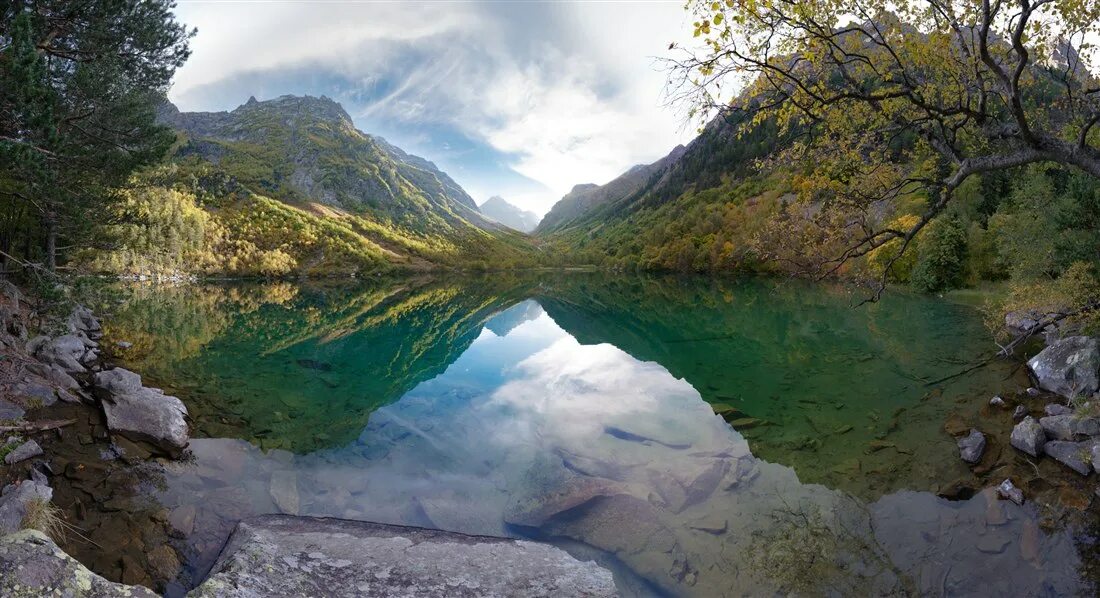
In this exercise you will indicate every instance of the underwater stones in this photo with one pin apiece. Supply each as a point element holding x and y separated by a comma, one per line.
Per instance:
<point>279,555</point>
<point>31,565</point>
<point>23,452</point>
<point>1028,436</point>
<point>14,502</point>
<point>284,491</point>
<point>164,562</point>
<point>1074,455</point>
<point>972,446</point>
<point>1019,413</point>
<point>182,520</point>
<point>955,425</point>
<point>1069,367</point>
<point>1008,491</point>
<point>554,497</point>
<point>142,414</point>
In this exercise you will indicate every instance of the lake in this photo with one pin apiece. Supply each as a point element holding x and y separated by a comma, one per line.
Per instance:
<point>699,437</point>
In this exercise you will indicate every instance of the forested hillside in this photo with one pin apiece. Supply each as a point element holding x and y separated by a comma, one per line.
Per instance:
<point>290,186</point>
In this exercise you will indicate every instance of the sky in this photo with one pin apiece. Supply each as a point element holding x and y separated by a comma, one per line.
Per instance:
<point>512,98</point>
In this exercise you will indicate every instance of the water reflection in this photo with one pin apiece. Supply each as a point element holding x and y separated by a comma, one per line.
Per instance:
<point>527,430</point>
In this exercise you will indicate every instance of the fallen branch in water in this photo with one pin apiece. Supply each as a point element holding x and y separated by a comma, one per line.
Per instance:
<point>38,426</point>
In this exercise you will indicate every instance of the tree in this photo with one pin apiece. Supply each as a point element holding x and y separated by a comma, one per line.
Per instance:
<point>79,85</point>
<point>894,99</point>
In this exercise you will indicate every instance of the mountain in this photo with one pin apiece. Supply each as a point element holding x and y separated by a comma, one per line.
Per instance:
<point>584,197</point>
<point>291,186</point>
<point>509,215</point>
<point>677,213</point>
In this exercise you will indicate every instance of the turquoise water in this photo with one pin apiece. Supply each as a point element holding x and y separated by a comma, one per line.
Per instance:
<point>580,409</point>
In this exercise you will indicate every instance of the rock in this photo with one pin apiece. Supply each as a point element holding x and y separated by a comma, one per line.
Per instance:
<point>64,352</point>
<point>1069,367</point>
<point>83,320</point>
<point>1021,321</point>
<point>10,411</point>
<point>1094,455</point>
<point>1019,413</point>
<point>1032,391</point>
<point>36,343</point>
<point>124,344</point>
<point>997,402</point>
<point>164,562</point>
<point>279,555</point>
<point>54,374</point>
<point>972,446</point>
<point>1056,409</point>
<point>1028,436</point>
<point>14,501</point>
<point>182,520</point>
<point>31,565</point>
<point>142,414</point>
<point>23,452</point>
<point>284,491</point>
<point>1075,455</point>
<point>955,425</point>
<point>1007,490</point>
<point>1070,426</point>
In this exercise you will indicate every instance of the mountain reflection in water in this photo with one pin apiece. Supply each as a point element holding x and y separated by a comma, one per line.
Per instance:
<point>577,410</point>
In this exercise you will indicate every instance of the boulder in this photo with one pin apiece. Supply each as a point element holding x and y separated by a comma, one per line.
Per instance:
<point>972,446</point>
<point>31,565</point>
<point>14,501</point>
<point>82,320</point>
<point>1069,426</point>
<point>23,452</point>
<point>280,555</point>
<point>1074,455</point>
<point>1028,436</point>
<point>64,352</point>
<point>10,411</point>
<point>1056,409</point>
<point>142,414</point>
<point>1069,367</point>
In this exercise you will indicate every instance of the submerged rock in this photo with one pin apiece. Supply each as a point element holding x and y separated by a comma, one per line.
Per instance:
<point>1007,490</point>
<point>142,414</point>
<point>1020,412</point>
<point>1069,367</point>
<point>1074,455</point>
<point>279,555</point>
<point>31,565</point>
<point>972,446</point>
<point>1028,436</point>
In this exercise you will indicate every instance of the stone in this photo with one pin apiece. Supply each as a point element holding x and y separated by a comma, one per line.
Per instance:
<point>1028,436</point>
<point>124,344</point>
<point>279,555</point>
<point>1056,409</point>
<point>10,411</point>
<point>54,374</point>
<point>32,565</point>
<point>142,414</point>
<point>1074,455</point>
<point>972,446</point>
<point>1019,413</point>
<point>1032,391</point>
<point>284,491</point>
<point>64,352</point>
<point>1069,426</point>
<point>1008,491</point>
<point>1069,367</point>
<point>997,402</point>
<point>182,520</point>
<point>164,562</point>
<point>23,452</point>
<point>14,501</point>
<point>1094,455</point>
<point>83,320</point>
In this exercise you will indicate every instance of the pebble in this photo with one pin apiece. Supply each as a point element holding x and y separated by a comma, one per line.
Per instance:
<point>1009,491</point>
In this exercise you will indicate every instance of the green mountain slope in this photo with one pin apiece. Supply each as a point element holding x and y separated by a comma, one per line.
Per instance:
<point>290,186</point>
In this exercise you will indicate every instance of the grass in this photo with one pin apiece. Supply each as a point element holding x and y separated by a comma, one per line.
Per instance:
<point>42,515</point>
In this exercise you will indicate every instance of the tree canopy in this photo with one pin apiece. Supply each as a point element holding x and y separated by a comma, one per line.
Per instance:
<point>80,81</point>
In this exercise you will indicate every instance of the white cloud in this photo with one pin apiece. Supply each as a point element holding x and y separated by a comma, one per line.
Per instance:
<point>566,93</point>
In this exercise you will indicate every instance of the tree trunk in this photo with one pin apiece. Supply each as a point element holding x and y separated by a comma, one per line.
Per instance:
<point>51,240</point>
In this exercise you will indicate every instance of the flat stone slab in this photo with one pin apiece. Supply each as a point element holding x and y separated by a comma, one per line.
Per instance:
<point>283,555</point>
<point>31,565</point>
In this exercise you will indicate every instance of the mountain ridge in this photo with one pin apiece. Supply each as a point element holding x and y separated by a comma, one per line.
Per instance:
<point>499,209</point>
